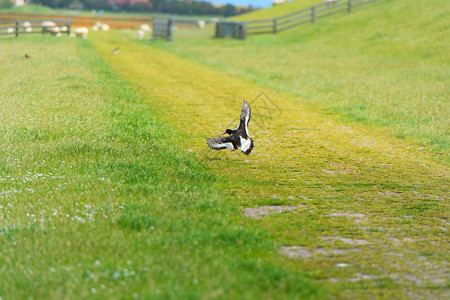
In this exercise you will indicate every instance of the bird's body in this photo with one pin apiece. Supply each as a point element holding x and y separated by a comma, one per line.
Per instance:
<point>115,50</point>
<point>27,56</point>
<point>237,137</point>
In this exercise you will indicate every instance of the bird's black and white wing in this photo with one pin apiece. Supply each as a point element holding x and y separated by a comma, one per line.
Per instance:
<point>246,113</point>
<point>247,145</point>
<point>220,143</point>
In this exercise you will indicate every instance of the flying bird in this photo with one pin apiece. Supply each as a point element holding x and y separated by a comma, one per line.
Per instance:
<point>115,50</point>
<point>237,137</point>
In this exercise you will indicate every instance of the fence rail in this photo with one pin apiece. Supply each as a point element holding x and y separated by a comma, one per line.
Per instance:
<point>307,15</point>
<point>17,27</point>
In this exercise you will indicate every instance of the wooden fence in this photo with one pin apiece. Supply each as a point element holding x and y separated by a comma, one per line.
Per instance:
<point>17,27</point>
<point>163,29</point>
<point>307,15</point>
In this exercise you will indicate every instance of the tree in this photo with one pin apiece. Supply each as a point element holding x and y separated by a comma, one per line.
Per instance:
<point>5,4</point>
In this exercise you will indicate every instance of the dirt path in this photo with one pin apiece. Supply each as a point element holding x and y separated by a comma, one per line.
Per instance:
<point>352,207</point>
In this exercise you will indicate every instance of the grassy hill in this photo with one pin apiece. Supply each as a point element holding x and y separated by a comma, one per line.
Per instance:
<point>385,65</point>
<point>277,11</point>
<point>108,189</point>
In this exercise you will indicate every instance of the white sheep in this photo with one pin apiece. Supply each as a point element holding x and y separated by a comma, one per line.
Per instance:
<point>80,32</point>
<point>48,24</point>
<point>146,28</point>
<point>50,27</point>
<point>104,27</point>
<point>64,29</point>
<point>27,27</point>
<point>10,30</point>
<point>140,34</point>
<point>201,24</point>
<point>331,2</point>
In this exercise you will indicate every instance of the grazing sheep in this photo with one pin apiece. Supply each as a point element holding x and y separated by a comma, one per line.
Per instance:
<point>97,26</point>
<point>100,26</point>
<point>48,24</point>
<point>81,32</point>
<point>140,34</point>
<point>10,30</point>
<point>146,28</point>
<point>50,27</point>
<point>27,27</point>
<point>201,24</point>
<point>331,2</point>
<point>64,29</point>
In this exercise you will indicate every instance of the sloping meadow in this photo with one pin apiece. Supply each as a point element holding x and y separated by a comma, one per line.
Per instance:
<point>384,65</point>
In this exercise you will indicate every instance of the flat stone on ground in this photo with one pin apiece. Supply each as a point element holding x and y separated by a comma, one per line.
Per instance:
<point>295,251</point>
<point>259,212</point>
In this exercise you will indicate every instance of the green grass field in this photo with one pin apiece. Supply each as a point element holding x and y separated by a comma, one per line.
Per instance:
<point>96,200</point>
<point>108,190</point>
<point>277,11</point>
<point>374,66</point>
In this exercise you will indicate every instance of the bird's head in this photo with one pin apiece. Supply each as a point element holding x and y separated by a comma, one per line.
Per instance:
<point>229,131</point>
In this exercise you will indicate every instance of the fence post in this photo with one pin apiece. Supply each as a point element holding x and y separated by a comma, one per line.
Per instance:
<point>217,29</point>
<point>313,13</point>
<point>274,26</point>
<point>68,26</point>
<point>169,27</point>
<point>349,6</point>
<point>17,28</point>
<point>243,31</point>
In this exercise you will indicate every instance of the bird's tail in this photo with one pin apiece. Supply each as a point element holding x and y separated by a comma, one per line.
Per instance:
<point>249,149</point>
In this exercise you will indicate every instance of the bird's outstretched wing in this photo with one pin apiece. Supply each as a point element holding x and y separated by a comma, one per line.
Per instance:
<point>220,143</point>
<point>247,145</point>
<point>246,113</point>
